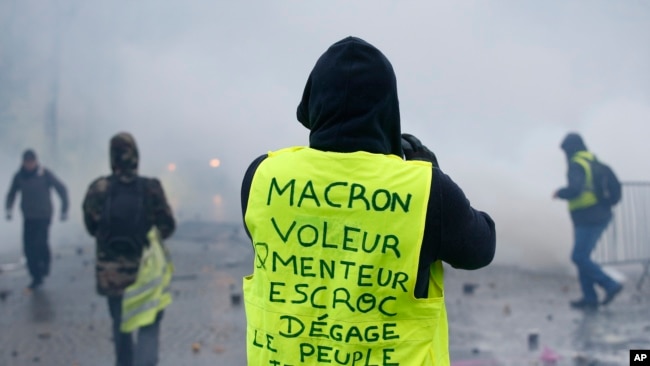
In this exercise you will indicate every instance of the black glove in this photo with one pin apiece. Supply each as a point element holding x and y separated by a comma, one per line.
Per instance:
<point>414,150</point>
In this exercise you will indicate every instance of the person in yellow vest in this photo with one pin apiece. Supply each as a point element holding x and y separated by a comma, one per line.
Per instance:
<point>129,217</point>
<point>349,238</point>
<point>590,218</point>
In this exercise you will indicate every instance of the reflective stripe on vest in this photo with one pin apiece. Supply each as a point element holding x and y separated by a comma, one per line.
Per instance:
<point>337,241</point>
<point>588,197</point>
<point>150,293</point>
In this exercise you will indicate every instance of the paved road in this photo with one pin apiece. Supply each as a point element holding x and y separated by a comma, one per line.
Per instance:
<point>493,324</point>
<point>65,323</point>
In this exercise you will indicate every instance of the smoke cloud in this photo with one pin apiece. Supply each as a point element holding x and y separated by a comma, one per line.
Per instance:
<point>492,88</point>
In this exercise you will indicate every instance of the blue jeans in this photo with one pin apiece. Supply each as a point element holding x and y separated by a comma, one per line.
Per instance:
<point>589,272</point>
<point>144,352</point>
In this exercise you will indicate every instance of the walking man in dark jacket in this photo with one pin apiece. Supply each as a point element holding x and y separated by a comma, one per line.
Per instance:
<point>348,235</point>
<point>590,218</point>
<point>34,182</point>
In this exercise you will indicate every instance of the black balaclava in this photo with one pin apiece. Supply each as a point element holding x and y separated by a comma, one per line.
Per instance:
<point>124,156</point>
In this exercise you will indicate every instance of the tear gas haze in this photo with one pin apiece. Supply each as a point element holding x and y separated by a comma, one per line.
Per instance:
<point>205,87</point>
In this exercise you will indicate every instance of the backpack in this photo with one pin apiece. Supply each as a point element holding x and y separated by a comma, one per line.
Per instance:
<point>607,187</point>
<point>123,225</point>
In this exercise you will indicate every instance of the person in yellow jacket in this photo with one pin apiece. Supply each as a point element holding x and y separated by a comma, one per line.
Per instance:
<point>129,217</point>
<point>590,219</point>
<point>349,237</point>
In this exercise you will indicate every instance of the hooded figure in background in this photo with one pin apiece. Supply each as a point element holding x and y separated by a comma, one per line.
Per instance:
<point>590,219</point>
<point>128,215</point>
<point>34,183</point>
<point>349,235</point>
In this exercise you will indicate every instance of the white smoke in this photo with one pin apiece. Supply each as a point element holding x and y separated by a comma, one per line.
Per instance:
<point>492,89</point>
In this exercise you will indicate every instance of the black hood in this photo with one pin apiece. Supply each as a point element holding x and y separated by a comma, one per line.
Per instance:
<point>573,143</point>
<point>350,101</point>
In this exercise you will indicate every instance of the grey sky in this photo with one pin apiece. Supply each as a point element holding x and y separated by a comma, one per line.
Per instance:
<point>490,86</point>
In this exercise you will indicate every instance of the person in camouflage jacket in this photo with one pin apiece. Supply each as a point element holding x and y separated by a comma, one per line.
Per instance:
<point>116,270</point>
<point>124,164</point>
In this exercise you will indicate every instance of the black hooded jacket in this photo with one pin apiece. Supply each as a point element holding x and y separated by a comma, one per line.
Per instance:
<point>598,214</point>
<point>350,104</point>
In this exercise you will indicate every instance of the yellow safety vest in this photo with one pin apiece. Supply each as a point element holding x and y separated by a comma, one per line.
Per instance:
<point>149,294</point>
<point>588,197</point>
<point>337,240</point>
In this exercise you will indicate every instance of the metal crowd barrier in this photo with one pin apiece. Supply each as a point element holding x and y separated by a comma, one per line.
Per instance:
<point>627,239</point>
